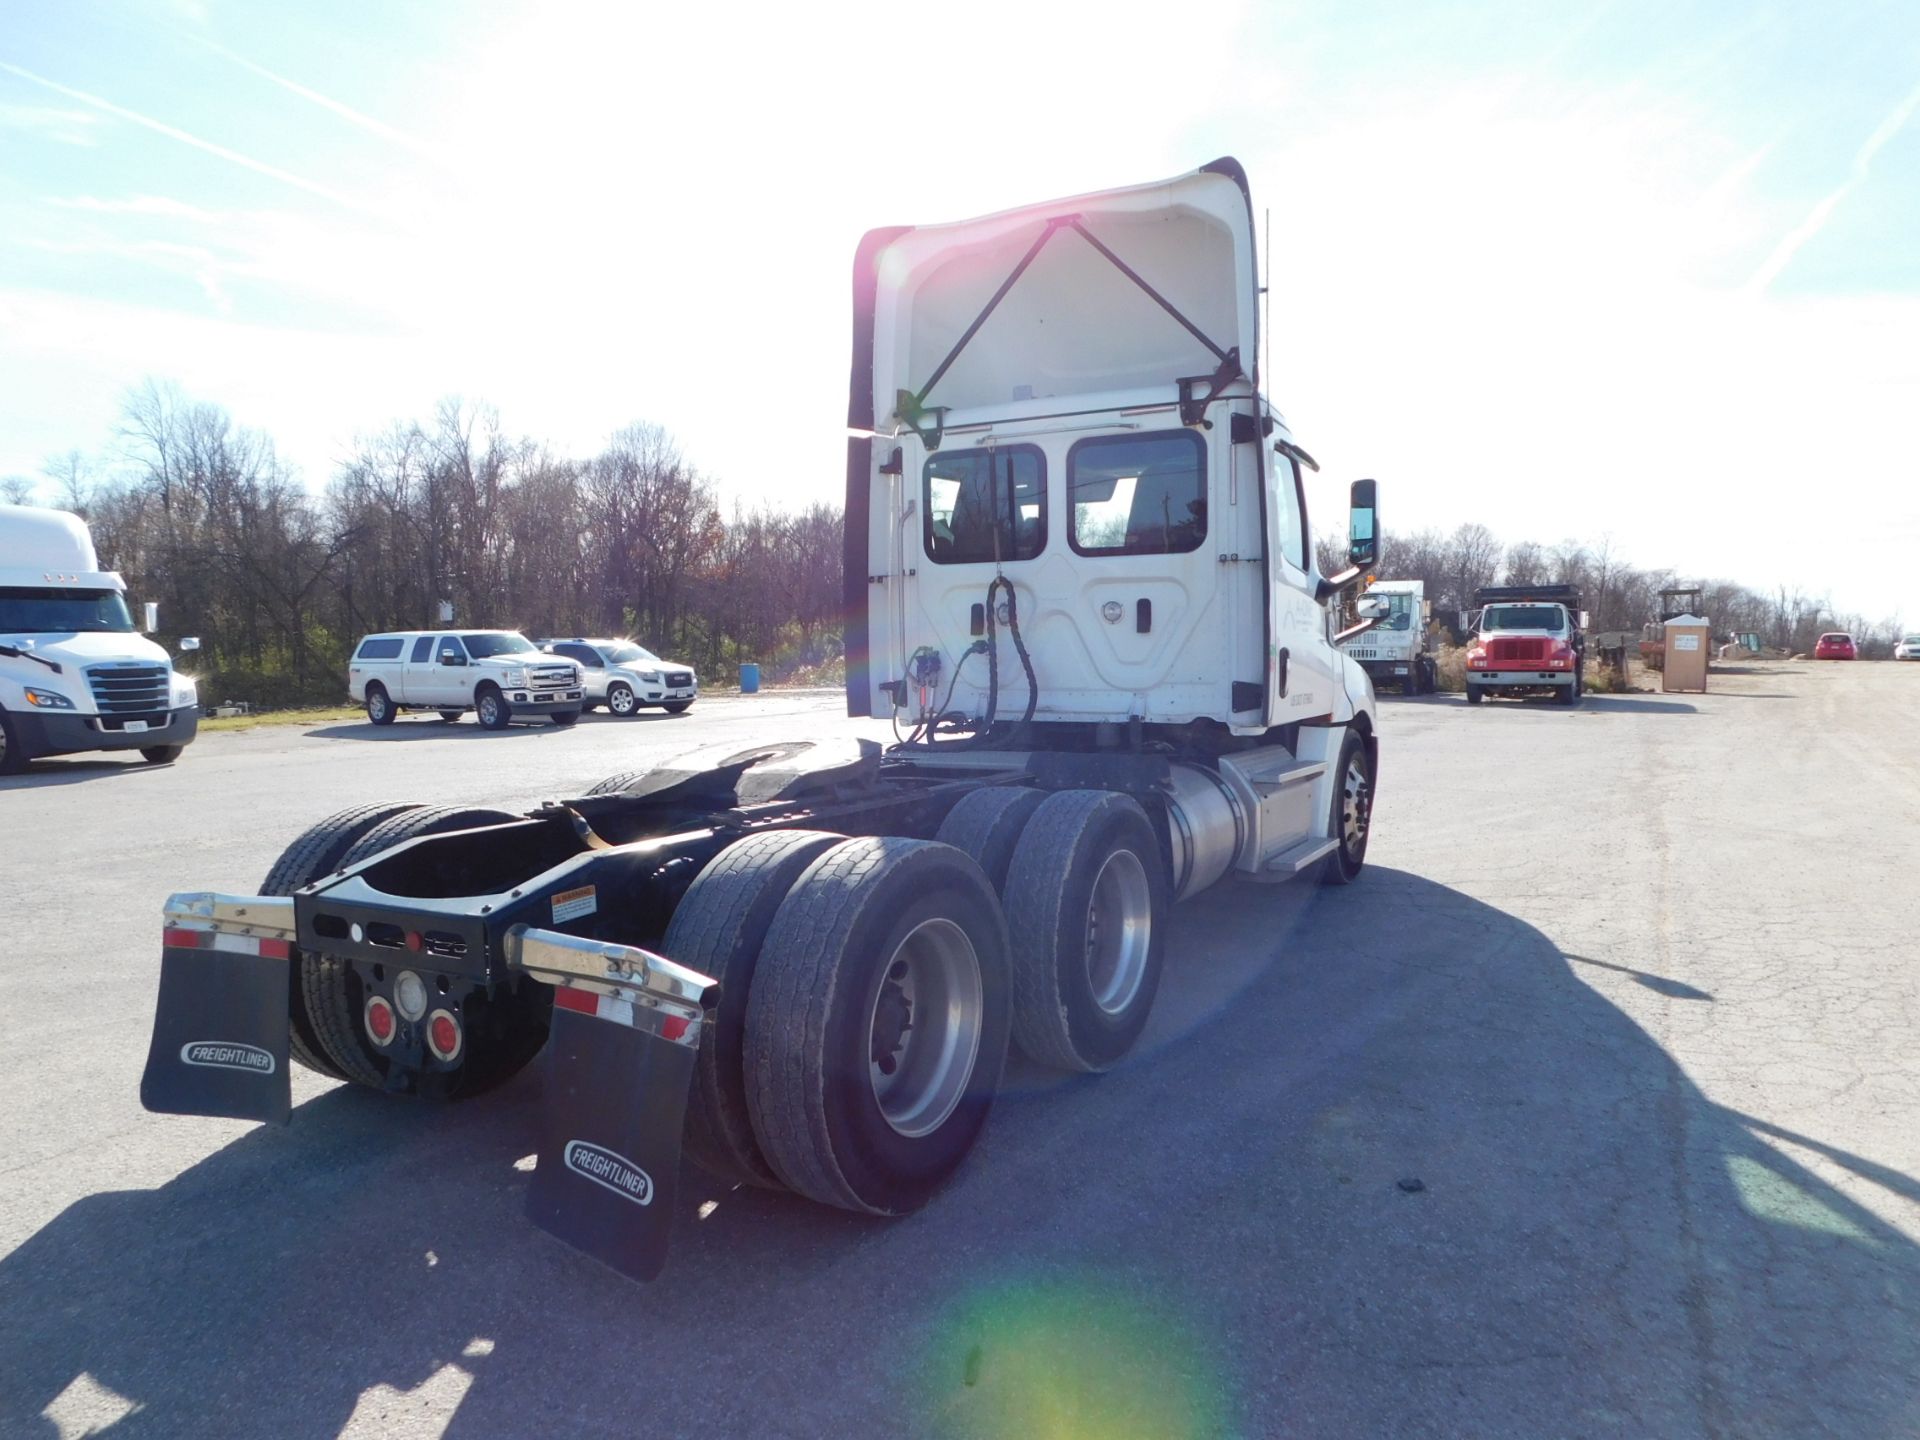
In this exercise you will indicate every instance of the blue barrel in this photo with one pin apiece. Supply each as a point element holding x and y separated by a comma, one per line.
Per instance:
<point>749,679</point>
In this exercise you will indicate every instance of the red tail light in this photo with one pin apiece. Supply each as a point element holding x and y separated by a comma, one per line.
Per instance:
<point>443,1035</point>
<point>380,1020</point>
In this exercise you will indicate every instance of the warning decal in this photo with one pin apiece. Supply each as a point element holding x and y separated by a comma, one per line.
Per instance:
<point>572,904</point>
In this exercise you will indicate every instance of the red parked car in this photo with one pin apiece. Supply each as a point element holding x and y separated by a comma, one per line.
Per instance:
<point>1835,645</point>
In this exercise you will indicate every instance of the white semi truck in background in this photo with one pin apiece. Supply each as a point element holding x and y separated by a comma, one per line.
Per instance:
<point>76,674</point>
<point>1399,650</point>
<point>1078,578</point>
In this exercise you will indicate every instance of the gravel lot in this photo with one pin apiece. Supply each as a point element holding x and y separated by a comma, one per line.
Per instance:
<point>1592,1110</point>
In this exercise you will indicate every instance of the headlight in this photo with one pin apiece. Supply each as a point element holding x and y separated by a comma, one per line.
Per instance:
<point>47,700</point>
<point>652,677</point>
<point>516,676</point>
<point>186,691</point>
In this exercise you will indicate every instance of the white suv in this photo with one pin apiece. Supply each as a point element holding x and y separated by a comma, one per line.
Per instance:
<point>497,674</point>
<point>626,677</point>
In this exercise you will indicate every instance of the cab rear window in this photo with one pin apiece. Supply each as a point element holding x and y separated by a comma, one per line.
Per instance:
<point>379,649</point>
<point>986,505</point>
<point>1138,494</point>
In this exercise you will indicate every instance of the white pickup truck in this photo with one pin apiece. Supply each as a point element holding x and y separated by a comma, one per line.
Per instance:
<point>500,675</point>
<point>75,674</point>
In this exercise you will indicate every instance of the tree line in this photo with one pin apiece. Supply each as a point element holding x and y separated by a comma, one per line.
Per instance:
<point>280,580</point>
<point>1617,595</point>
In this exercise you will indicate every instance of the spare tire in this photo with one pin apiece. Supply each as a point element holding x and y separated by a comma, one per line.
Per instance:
<point>333,993</point>
<point>317,852</point>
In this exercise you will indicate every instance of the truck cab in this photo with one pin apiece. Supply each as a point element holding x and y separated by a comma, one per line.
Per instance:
<point>1528,640</point>
<point>1398,651</point>
<point>76,674</point>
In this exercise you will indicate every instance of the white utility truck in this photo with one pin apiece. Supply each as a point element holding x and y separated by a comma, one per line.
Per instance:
<point>1399,650</point>
<point>75,674</point>
<point>1078,579</point>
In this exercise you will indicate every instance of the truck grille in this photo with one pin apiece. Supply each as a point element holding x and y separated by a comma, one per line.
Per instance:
<point>129,690</point>
<point>550,677</point>
<point>1516,650</point>
<point>675,679</point>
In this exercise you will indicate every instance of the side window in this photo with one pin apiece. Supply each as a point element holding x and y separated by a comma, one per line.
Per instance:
<point>422,651</point>
<point>985,505</point>
<point>585,654</point>
<point>1138,494</point>
<point>380,649</point>
<point>1290,510</point>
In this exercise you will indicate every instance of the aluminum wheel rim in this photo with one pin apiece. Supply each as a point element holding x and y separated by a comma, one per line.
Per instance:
<point>1119,931</point>
<point>923,1032</point>
<point>621,700</point>
<point>378,705</point>
<point>1356,803</point>
<point>489,707</point>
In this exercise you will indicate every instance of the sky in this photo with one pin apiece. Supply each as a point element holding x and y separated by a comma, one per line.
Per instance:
<point>1645,273</point>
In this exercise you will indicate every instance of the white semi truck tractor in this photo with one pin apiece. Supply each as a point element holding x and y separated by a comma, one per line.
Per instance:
<point>1078,579</point>
<point>76,674</point>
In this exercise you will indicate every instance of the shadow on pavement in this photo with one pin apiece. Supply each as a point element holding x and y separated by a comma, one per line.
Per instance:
<point>57,770</point>
<point>404,730</point>
<point>1384,1164</point>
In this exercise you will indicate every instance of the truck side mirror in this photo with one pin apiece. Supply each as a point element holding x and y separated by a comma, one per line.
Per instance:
<point>190,642</point>
<point>1363,527</point>
<point>450,657</point>
<point>150,616</point>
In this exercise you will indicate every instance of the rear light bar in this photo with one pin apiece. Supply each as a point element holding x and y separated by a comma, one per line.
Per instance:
<point>237,924</point>
<point>622,983</point>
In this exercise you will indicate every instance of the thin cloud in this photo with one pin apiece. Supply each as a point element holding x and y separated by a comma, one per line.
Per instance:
<point>1891,125</point>
<point>233,157</point>
<point>161,206</point>
<point>69,127</point>
<point>327,102</point>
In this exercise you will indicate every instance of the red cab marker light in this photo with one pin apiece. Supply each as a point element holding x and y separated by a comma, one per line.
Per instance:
<point>414,942</point>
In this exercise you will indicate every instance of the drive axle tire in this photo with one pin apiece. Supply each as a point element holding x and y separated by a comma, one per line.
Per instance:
<point>718,928</point>
<point>162,754</point>
<point>451,715</point>
<point>877,1027</point>
<point>1351,820</point>
<point>380,707</point>
<point>1086,904</point>
<point>676,707</point>
<point>564,718</point>
<point>333,993</point>
<point>319,851</point>
<point>987,824</point>
<point>491,708</point>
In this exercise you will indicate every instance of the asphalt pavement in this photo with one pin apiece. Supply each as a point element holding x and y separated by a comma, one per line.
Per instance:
<point>1592,1109</point>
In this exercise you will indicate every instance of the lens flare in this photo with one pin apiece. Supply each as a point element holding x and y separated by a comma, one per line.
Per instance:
<point>1070,1360</point>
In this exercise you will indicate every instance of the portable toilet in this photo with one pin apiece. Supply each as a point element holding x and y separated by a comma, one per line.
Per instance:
<point>1686,659</point>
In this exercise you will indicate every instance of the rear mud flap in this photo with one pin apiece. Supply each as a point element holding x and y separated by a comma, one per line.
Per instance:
<point>610,1139</point>
<point>220,1035</point>
<point>620,1059</point>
